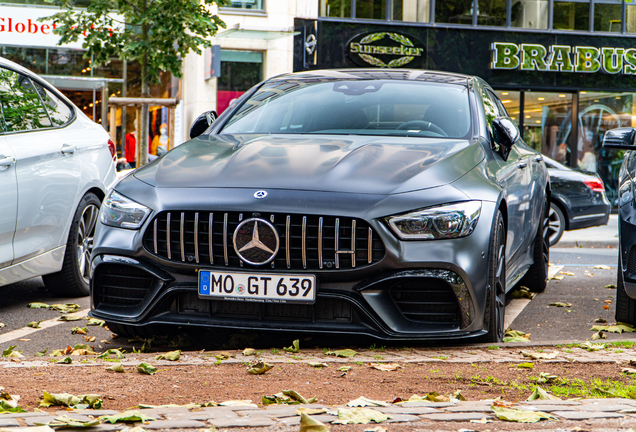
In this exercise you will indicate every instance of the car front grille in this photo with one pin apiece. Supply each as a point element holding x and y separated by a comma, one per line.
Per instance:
<point>426,300</point>
<point>307,242</point>
<point>120,285</point>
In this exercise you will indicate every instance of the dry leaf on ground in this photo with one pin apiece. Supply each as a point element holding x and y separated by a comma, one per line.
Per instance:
<point>385,367</point>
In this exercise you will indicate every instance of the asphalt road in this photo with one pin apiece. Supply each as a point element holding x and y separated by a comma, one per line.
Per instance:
<point>545,323</point>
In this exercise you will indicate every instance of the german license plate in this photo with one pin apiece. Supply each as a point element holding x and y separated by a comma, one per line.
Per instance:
<point>260,287</point>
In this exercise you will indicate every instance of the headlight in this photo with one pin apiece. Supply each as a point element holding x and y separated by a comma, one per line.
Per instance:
<point>121,212</point>
<point>442,222</point>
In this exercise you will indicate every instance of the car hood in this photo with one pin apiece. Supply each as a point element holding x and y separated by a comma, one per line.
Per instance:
<point>358,164</point>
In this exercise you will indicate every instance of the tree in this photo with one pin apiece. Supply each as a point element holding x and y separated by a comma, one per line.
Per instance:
<point>156,33</point>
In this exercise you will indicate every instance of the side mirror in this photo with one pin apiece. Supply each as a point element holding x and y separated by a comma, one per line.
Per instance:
<point>506,134</point>
<point>202,122</point>
<point>620,138</point>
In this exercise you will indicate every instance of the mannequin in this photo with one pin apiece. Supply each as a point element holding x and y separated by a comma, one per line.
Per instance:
<point>160,142</point>
<point>131,141</point>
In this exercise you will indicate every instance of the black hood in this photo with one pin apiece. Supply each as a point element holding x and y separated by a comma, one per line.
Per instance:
<point>355,164</point>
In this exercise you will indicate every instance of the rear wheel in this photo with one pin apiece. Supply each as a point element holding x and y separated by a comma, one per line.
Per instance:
<point>556,224</point>
<point>73,279</point>
<point>625,305</point>
<point>536,279</point>
<point>496,302</point>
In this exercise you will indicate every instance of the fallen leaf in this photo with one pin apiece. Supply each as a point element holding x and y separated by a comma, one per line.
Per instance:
<point>618,328</point>
<point>342,353</point>
<point>310,411</point>
<point>116,368</point>
<point>523,292</point>
<point>541,356</point>
<point>69,318</point>
<point>34,324</point>
<point>249,352</point>
<point>2,325</point>
<point>516,336</point>
<point>293,394</point>
<point>90,338</point>
<point>294,348</point>
<point>95,322</point>
<point>436,397</point>
<point>10,353</point>
<point>318,365</point>
<point>592,346</point>
<point>37,305</point>
<point>224,355</point>
<point>385,367</point>
<point>599,335</point>
<point>79,330</point>
<point>365,402</point>
<point>457,396</point>
<point>557,277</point>
<point>127,417</point>
<point>104,341</point>
<point>259,368</point>
<point>344,369</point>
<point>146,368</point>
<point>83,352</point>
<point>310,424</point>
<point>527,365</point>
<point>64,399</point>
<point>483,420</point>
<point>41,353</point>
<point>560,304</point>
<point>67,422</point>
<point>566,273</point>
<point>244,402</point>
<point>171,355</point>
<point>608,301</point>
<point>106,355</point>
<point>378,429</point>
<point>65,360</point>
<point>65,308</point>
<point>610,286</point>
<point>24,340</point>
<point>541,394</point>
<point>600,320</point>
<point>603,267</point>
<point>520,415</point>
<point>545,377</point>
<point>606,307</point>
<point>359,416</point>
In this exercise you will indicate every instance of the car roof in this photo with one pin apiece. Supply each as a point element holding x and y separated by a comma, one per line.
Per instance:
<point>420,75</point>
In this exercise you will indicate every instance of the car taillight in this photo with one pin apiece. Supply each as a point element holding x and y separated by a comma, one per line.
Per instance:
<point>113,150</point>
<point>595,183</point>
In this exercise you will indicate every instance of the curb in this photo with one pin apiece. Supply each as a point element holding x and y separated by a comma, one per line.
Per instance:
<point>605,244</point>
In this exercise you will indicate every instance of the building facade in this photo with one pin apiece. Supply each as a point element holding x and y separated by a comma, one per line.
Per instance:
<point>565,70</point>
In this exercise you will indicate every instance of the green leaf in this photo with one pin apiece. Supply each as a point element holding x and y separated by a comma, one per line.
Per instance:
<point>342,353</point>
<point>11,353</point>
<point>34,324</point>
<point>171,355</point>
<point>107,354</point>
<point>79,330</point>
<point>516,336</point>
<point>65,360</point>
<point>618,328</point>
<point>297,397</point>
<point>146,368</point>
<point>65,308</point>
<point>344,369</point>
<point>318,365</point>
<point>95,322</point>
<point>116,368</point>
<point>360,416</point>
<point>64,399</point>
<point>249,352</point>
<point>539,393</point>
<point>127,417</point>
<point>37,305</point>
<point>527,365</point>
<point>259,368</point>
<point>67,422</point>
<point>294,348</point>
<point>2,325</point>
<point>520,415</point>
<point>69,318</point>
<point>560,304</point>
<point>592,346</point>
<point>546,378</point>
<point>310,424</point>
<point>541,355</point>
<point>365,402</point>
<point>41,353</point>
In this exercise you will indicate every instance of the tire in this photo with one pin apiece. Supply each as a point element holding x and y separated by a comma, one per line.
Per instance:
<point>556,224</point>
<point>536,279</point>
<point>625,305</point>
<point>496,302</point>
<point>72,280</point>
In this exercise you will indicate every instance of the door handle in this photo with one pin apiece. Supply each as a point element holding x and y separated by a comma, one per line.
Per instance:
<point>7,161</point>
<point>522,164</point>
<point>68,149</point>
<point>539,158</point>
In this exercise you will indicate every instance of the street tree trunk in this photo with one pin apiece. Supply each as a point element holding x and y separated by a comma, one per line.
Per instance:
<point>145,92</point>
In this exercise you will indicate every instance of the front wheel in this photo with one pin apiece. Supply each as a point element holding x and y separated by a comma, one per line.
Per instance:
<point>496,302</point>
<point>556,224</point>
<point>73,279</point>
<point>625,305</point>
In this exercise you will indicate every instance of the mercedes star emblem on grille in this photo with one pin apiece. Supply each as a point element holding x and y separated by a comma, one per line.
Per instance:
<point>260,194</point>
<point>256,241</point>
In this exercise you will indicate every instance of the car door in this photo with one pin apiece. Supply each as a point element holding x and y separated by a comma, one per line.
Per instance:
<point>8,200</point>
<point>512,176</point>
<point>46,169</point>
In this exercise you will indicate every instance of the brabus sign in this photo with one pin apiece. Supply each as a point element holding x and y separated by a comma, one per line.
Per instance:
<point>563,58</point>
<point>385,50</point>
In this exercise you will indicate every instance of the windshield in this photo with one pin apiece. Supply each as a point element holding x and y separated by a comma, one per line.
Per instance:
<point>355,107</point>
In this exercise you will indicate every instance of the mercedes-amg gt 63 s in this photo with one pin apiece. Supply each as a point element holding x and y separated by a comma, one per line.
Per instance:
<point>398,204</point>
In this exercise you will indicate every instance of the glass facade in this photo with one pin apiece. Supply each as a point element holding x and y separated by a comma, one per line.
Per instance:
<point>529,14</point>
<point>411,10</point>
<point>571,16</point>
<point>256,5</point>
<point>240,71</point>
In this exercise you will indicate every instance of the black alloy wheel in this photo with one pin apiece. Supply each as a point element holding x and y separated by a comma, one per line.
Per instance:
<point>556,225</point>
<point>496,302</point>
<point>625,305</point>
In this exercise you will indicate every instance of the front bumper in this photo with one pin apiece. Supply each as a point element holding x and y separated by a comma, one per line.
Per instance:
<point>419,290</point>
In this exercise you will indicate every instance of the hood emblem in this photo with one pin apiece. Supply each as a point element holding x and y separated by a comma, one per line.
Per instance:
<point>256,241</point>
<point>260,194</point>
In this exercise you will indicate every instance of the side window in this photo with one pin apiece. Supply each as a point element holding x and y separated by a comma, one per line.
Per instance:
<point>500,107</point>
<point>491,108</point>
<point>59,112</point>
<point>21,103</point>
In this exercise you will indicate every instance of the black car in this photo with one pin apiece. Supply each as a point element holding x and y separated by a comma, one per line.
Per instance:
<point>578,200</point>
<point>623,139</point>
<point>398,204</point>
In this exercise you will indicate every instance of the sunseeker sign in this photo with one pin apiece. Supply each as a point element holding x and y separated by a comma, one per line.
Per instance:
<point>563,58</point>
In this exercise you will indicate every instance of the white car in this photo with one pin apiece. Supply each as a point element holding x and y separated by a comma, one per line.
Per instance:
<point>55,168</point>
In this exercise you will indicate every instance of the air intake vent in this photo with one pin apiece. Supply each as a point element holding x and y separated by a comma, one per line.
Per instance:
<point>120,285</point>
<point>427,300</point>
<point>307,242</point>
<point>631,263</point>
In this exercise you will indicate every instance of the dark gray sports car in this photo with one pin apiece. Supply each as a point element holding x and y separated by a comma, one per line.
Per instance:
<point>399,204</point>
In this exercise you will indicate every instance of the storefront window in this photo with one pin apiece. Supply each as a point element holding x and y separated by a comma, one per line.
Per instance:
<point>607,17</point>
<point>246,4</point>
<point>492,13</point>
<point>411,10</point>
<point>510,101</point>
<point>454,12</point>
<point>547,123</point>
<point>77,3</point>
<point>630,19</point>
<point>529,14</point>
<point>571,15</point>
<point>371,9</point>
<point>335,8</point>
<point>240,71</point>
